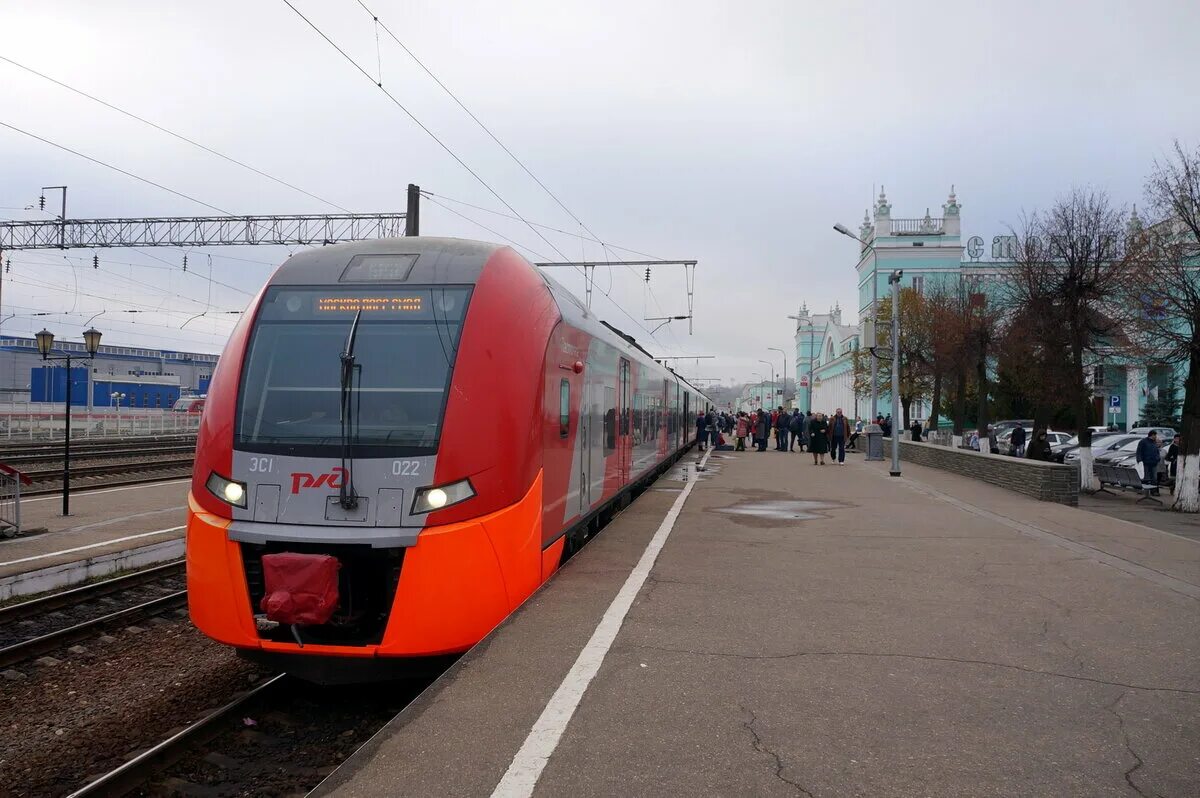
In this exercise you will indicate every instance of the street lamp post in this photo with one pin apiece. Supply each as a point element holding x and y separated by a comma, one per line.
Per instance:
<point>782,373</point>
<point>771,366</point>
<point>45,345</point>
<point>894,282</point>
<point>841,228</point>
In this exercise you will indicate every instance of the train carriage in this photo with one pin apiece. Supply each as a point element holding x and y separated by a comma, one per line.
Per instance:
<point>403,439</point>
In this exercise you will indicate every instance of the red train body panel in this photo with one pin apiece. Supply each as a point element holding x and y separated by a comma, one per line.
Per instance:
<point>437,415</point>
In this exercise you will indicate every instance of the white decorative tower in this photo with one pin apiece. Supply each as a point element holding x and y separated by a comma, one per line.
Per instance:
<point>951,222</point>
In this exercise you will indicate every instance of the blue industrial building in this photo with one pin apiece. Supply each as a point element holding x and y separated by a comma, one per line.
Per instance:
<point>148,378</point>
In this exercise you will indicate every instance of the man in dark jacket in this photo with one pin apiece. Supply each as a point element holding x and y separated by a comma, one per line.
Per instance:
<point>839,433</point>
<point>1017,442</point>
<point>782,422</point>
<point>1148,456</point>
<point>702,430</point>
<point>1039,447</point>
<point>795,425</point>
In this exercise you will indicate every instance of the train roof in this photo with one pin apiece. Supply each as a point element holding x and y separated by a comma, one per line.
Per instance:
<point>434,260</point>
<point>419,259</point>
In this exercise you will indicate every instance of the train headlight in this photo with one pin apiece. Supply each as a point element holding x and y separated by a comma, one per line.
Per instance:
<point>227,490</point>
<point>435,498</point>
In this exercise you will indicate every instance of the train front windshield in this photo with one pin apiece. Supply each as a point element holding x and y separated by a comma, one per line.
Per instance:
<point>403,350</point>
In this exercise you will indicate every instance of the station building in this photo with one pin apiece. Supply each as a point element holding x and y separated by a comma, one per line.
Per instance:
<point>931,250</point>
<point>147,378</point>
<point>765,394</point>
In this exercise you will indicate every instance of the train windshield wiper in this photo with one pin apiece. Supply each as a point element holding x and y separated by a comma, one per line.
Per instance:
<point>346,495</point>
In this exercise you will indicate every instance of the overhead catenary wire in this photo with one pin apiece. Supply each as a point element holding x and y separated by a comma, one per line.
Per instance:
<point>420,124</point>
<point>106,165</point>
<point>379,23</point>
<point>175,135</point>
<point>449,151</point>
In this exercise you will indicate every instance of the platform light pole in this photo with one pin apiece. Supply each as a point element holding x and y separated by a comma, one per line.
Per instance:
<point>894,282</point>
<point>45,345</point>
<point>841,228</point>
<point>771,366</point>
<point>782,373</point>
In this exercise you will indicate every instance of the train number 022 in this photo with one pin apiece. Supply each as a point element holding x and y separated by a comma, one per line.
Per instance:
<point>262,465</point>
<point>406,468</point>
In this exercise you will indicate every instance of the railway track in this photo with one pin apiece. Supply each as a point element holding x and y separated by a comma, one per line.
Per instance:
<point>144,766</point>
<point>38,627</point>
<point>55,455</point>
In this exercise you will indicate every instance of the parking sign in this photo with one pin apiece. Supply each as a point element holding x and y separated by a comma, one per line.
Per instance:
<point>1114,402</point>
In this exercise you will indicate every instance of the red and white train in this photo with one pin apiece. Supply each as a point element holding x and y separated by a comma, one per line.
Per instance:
<point>403,439</point>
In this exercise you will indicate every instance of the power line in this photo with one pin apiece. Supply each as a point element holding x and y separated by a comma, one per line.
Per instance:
<point>606,294</point>
<point>115,168</point>
<point>173,134</point>
<point>477,120</point>
<point>421,125</point>
<point>430,195</point>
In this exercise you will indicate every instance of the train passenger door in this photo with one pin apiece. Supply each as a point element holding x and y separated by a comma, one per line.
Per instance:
<point>624,431</point>
<point>688,421</point>
<point>584,444</point>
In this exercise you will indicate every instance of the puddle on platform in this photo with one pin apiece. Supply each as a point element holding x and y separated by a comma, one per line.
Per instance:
<point>686,472</point>
<point>780,512</point>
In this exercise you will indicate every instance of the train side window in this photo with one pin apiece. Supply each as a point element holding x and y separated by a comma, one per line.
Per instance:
<point>564,408</point>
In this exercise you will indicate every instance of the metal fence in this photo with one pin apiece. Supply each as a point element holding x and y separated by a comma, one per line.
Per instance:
<point>10,500</point>
<point>35,421</point>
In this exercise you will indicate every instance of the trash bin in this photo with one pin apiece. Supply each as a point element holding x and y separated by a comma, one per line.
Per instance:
<point>874,434</point>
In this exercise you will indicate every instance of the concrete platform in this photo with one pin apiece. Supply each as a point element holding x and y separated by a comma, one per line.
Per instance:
<point>828,631</point>
<point>104,525</point>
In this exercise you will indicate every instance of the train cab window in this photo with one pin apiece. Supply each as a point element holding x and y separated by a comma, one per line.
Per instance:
<point>293,386</point>
<point>564,408</point>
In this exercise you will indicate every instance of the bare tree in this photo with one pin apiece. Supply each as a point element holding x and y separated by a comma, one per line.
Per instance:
<point>1168,295</point>
<point>1071,269</point>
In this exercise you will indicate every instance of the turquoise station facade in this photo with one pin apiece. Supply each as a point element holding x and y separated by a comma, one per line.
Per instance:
<point>931,250</point>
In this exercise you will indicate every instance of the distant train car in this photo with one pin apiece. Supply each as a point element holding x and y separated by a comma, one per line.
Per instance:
<point>403,439</point>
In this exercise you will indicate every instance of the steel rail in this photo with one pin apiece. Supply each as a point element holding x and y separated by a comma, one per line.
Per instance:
<point>136,771</point>
<point>78,595</point>
<point>18,652</point>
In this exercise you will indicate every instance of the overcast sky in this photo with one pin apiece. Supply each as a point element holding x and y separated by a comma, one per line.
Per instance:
<point>732,133</point>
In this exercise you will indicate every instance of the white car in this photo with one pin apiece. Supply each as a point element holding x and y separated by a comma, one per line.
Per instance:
<point>1110,443</point>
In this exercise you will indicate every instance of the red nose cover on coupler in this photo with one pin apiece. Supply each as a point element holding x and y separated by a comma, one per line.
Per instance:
<point>301,588</point>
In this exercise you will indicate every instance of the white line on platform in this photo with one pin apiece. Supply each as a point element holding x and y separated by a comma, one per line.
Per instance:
<point>58,497</point>
<point>527,766</point>
<point>92,546</point>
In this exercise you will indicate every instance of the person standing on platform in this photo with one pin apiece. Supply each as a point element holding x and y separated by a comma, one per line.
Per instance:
<point>702,431</point>
<point>782,421</point>
<point>839,433</point>
<point>762,428</point>
<point>743,429</point>
<point>795,426</point>
<point>818,438</point>
<point>1148,456</point>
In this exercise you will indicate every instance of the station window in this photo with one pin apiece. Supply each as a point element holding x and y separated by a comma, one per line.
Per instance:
<point>564,408</point>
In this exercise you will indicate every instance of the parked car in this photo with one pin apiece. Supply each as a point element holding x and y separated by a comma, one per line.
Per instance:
<point>1122,452</point>
<point>1058,452</point>
<point>1165,434</point>
<point>1107,444</point>
<point>1004,439</point>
